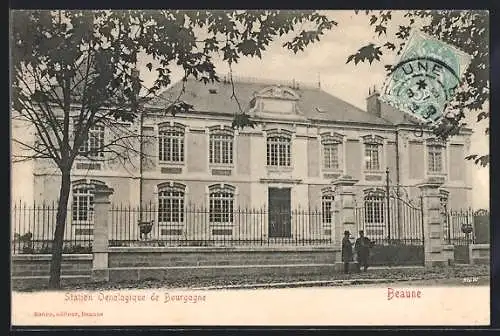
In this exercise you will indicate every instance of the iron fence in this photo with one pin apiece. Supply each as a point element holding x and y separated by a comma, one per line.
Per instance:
<point>193,225</point>
<point>396,222</point>
<point>33,226</point>
<point>459,228</point>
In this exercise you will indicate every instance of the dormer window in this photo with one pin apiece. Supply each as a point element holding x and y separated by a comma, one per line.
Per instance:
<point>275,100</point>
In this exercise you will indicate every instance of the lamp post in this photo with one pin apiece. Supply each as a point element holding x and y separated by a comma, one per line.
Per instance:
<point>145,226</point>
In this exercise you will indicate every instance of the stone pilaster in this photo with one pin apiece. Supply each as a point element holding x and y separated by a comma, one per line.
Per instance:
<point>100,245</point>
<point>344,218</point>
<point>433,224</point>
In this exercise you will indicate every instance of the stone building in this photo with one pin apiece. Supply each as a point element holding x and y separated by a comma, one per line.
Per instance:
<point>305,138</point>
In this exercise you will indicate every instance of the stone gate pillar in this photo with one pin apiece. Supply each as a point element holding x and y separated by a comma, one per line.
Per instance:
<point>100,245</point>
<point>448,248</point>
<point>433,223</point>
<point>344,218</point>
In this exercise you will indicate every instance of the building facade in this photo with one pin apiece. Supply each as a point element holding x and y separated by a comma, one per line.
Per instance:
<point>303,140</point>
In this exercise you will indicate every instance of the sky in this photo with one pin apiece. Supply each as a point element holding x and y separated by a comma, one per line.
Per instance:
<point>326,61</point>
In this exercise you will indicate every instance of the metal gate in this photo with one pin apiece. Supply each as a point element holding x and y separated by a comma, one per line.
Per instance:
<point>395,225</point>
<point>459,231</point>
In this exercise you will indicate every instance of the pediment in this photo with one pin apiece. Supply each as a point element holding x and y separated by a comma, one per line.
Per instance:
<point>278,92</point>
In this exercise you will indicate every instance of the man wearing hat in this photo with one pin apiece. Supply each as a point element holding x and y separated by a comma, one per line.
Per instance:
<point>346,251</point>
<point>362,247</point>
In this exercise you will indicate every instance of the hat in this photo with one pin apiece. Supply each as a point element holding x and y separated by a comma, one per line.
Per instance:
<point>346,232</point>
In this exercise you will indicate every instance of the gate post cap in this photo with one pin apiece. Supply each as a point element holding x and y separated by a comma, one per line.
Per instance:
<point>444,193</point>
<point>102,193</point>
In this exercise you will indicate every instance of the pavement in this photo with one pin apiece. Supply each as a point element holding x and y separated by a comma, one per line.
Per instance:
<point>408,282</point>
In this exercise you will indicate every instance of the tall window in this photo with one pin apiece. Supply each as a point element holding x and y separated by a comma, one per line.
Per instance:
<point>372,157</point>
<point>327,208</point>
<point>83,204</point>
<point>221,146</point>
<point>221,199</point>
<point>331,156</point>
<point>94,144</point>
<point>331,150</point>
<point>435,158</point>
<point>279,150</point>
<point>373,147</point>
<point>171,204</point>
<point>171,143</point>
<point>374,214</point>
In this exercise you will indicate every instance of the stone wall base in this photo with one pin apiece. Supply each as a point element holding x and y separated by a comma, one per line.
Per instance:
<point>213,272</point>
<point>436,263</point>
<point>36,265</point>
<point>479,254</point>
<point>353,267</point>
<point>100,275</point>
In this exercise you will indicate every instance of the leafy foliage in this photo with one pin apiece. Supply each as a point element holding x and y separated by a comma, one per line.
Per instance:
<point>482,160</point>
<point>368,53</point>
<point>67,58</point>
<point>243,120</point>
<point>467,30</point>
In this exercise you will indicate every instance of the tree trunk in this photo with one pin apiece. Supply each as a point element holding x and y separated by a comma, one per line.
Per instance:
<point>57,245</point>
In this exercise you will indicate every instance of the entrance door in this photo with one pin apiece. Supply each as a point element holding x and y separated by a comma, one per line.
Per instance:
<point>279,213</point>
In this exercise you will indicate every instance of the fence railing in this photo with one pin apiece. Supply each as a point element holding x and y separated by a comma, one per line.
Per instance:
<point>192,225</point>
<point>401,223</point>
<point>459,227</point>
<point>33,226</point>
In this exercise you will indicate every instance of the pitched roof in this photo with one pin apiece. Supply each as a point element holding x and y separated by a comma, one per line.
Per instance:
<point>311,100</point>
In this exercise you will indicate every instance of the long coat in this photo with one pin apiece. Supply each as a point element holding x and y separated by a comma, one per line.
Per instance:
<point>347,253</point>
<point>362,247</point>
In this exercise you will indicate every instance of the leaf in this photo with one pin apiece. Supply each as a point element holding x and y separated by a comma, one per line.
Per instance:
<point>373,19</point>
<point>482,115</point>
<point>386,16</point>
<point>149,66</point>
<point>390,46</point>
<point>368,53</point>
<point>482,160</point>
<point>243,120</point>
<point>380,30</point>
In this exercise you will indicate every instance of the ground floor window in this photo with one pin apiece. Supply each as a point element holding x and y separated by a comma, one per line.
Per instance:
<point>171,205</point>
<point>327,208</point>
<point>83,204</point>
<point>221,204</point>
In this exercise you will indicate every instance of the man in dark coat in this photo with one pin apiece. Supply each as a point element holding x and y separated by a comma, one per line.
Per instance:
<point>346,251</point>
<point>362,247</point>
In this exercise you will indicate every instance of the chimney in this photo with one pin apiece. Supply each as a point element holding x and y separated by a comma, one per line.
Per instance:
<point>373,102</point>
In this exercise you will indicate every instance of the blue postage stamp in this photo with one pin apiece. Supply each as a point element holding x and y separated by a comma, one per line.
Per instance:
<point>425,78</point>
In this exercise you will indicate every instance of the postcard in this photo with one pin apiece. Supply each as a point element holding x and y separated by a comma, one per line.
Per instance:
<point>250,167</point>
